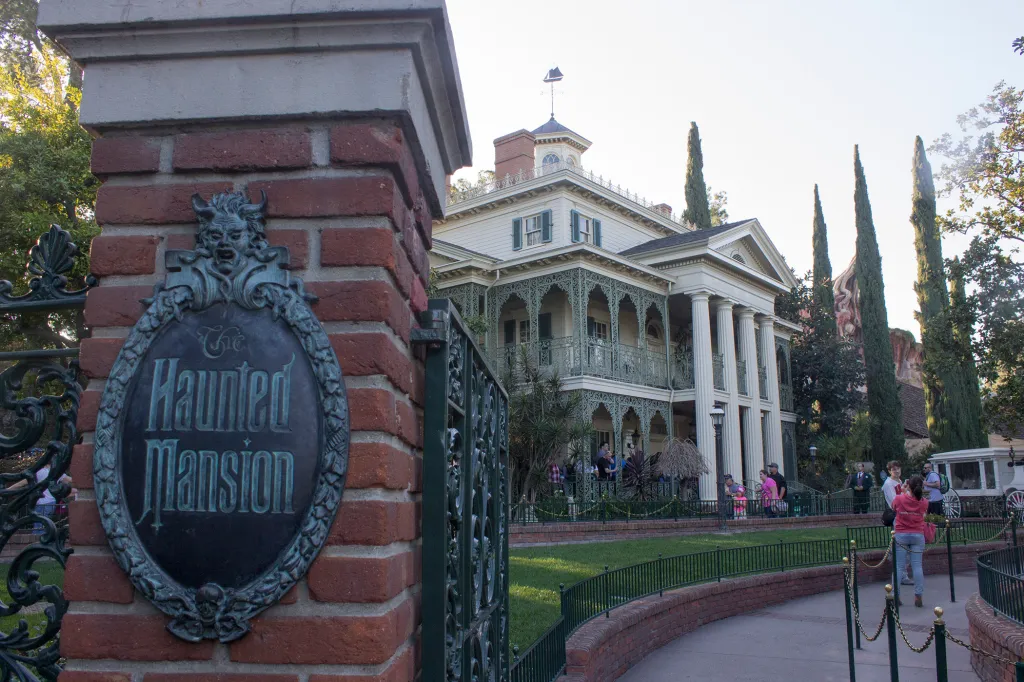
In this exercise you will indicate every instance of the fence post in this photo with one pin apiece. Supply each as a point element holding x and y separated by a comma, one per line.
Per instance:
<point>856,590</point>
<point>890,620</point>
<point>782,557</point>
<point>561,600</point>
<point>849,619</point>
<point>718,561</point>
<point>941,672</point>
<point>661,578</point>
<point>949,560</point>
<point>607,601</point>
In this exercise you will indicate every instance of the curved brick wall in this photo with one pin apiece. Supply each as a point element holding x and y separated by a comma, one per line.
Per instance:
<point>526,534</point>
<point>996,635</point>
<point>605,648</point>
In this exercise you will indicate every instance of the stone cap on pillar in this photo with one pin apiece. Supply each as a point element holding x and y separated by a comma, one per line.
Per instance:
<point>157,62</point>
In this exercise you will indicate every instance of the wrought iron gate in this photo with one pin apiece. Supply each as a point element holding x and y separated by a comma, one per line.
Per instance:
<point>39,395</point>
<point>465,507</point>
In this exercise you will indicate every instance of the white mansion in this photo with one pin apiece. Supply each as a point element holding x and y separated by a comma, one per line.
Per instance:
<point>653,321</point>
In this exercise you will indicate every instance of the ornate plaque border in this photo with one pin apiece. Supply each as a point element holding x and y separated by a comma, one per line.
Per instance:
<point>233,264</point>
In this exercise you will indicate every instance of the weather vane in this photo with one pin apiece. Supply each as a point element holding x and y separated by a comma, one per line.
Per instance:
<point>554,75</point>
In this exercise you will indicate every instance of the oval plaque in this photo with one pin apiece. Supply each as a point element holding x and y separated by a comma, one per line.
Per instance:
<point>222,436</point>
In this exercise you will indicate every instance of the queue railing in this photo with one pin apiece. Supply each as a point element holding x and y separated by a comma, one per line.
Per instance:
<point>599,595</point>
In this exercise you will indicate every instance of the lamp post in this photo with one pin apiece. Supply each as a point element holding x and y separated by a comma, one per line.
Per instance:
<point>814,466</point>
<point>717,417</point>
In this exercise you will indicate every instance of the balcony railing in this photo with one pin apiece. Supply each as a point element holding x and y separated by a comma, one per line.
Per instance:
<point>785,397</point>
<point>741,377</point>
<point>762,380</point>
<point>550,169</point>
<point>718,369</point>
<point>682,371</point>
<point>598,358</point>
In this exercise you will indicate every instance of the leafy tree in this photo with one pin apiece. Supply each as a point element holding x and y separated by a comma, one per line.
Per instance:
<point>985,175</point>
<point>717,207</point>
<point>1018,45</point>
<point>827,370</point>
<point>953,421</point>
<point>543,422</point>
<point>824,298</point>
<point>884,403</point>
<point>461,186</point>
<point>44,179</point>
<point>962,321</point>
<point>698,209</point>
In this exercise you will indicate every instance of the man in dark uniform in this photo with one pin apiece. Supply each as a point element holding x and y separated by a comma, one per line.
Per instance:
<point>780,483</point>
<point>861,483</point>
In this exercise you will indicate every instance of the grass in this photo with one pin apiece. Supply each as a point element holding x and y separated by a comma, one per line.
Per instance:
<point>537,571</point>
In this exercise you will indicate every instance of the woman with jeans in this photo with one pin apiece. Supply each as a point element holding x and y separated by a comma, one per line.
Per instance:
<point>910,508</point>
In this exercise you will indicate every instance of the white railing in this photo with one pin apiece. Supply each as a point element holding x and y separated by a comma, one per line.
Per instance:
<point>541,171</point>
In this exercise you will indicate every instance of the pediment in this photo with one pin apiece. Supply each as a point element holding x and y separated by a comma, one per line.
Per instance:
<point>748,244</point>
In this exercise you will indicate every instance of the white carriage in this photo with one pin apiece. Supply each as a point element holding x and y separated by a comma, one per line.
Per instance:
<point>980,478</point>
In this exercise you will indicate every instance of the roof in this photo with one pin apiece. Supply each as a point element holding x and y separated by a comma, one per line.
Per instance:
<point>691,237</point>
<point>915,415</point>
<point>456,247</point>
<point>553,126</point>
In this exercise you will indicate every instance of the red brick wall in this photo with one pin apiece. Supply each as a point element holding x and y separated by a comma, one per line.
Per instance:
<point>526,534</point>
<point>605,648</point>
<point>513,152</point>
<point>346,201</point>
<point>996,635</point>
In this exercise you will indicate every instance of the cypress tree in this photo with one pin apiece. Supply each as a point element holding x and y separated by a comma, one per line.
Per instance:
<point>945,385</point>
<point>697,210</point>
<point>963,329</point>
<point>823,296</point>
<point>884,404</point>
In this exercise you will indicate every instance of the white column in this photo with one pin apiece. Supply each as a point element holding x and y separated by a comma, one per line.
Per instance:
<point>731,453</point>
<point>774,445</point>
<point>751,418</point>
<point>704,393</point>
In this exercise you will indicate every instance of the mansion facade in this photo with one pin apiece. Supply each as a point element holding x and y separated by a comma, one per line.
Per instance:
<point>654,323</point>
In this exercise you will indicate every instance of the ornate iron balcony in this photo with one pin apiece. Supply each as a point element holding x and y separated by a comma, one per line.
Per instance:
<point>762,380</point>
<point>572,357</point>
<point>741,377</point>
<point>718,368</point>
<point>786,397</point>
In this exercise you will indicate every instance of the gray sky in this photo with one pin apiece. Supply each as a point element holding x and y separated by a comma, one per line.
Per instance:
<point>781,91</point>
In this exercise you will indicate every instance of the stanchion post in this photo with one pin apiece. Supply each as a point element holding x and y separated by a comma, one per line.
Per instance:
<point>849,619</point>
<point>890,621</point>
<point>896,577</point>
<point>856,589</point>
<point>949,560</point>
<point>941,672</point>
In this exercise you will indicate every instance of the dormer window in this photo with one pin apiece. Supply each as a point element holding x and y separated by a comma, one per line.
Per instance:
<point>550,160</point>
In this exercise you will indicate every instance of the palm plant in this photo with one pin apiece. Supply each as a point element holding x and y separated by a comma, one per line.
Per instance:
<point>543,423</point>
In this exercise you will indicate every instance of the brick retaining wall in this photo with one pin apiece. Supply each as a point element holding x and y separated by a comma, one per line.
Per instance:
<point>996,635</point>
<point>605,648</point>
<point>526,534</point>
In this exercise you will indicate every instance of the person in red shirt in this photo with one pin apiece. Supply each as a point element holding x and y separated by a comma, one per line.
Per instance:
<point>910,508</point>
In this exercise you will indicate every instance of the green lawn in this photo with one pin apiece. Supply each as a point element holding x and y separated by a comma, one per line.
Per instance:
<point>537,571</point>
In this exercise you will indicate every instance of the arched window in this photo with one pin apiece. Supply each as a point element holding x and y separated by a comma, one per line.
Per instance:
<point>653,331</point>
<point>550,160</point>
<point>571,161</point>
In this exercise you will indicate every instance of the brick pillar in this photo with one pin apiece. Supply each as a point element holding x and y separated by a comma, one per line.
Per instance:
<point>218,96</point>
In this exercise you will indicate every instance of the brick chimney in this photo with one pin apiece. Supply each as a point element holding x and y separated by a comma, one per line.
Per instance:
<point>664,209</point>
<point>513,153</point>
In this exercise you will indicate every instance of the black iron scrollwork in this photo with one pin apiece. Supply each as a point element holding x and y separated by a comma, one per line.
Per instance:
<point>39,396</point>
<point>52,257</point>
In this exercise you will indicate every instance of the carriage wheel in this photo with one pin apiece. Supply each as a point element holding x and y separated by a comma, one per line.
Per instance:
<point>1015,503</point>
<point>951,505</point>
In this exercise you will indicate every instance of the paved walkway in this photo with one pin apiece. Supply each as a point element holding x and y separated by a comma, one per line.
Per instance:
<point>805,639</point>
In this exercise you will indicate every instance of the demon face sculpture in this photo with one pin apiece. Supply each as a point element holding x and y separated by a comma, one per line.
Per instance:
<point>230,228</point>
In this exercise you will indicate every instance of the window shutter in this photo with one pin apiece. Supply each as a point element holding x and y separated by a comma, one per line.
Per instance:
<point>517,234</point>
<point>544,325</point>
<point>575,226</point>
<point>510,332</point>
<point>545,226</point>
<point>597,232</point>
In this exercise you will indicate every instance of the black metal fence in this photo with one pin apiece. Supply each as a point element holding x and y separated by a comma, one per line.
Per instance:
<point>1001,581</point>
<point>598,595</point>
